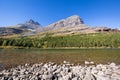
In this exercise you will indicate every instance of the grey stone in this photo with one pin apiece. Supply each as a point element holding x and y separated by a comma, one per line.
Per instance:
<point>70,21</point>
<point>50,71</point>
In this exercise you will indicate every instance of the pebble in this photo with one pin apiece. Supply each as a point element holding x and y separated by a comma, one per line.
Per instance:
<point>65,71</point>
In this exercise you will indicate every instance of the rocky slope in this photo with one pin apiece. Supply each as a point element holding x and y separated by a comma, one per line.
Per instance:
<point>28,28</point>
<point>65,71</point>
<point>71,25</point>
<point>70,21</point>
<point>30,25</point>
<point>105,29</point>
<point>9,31</point>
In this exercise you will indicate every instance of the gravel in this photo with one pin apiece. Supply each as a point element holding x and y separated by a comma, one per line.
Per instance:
<point>65,71</point>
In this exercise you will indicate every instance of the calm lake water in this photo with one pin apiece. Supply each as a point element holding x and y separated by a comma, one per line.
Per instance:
<point>12,57</point>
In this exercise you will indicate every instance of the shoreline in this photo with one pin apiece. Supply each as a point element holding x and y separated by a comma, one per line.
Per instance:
<point>64,71</point>
<point>17,47</point>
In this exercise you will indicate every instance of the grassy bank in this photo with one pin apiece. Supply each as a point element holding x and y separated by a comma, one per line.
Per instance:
<point>101,40</point>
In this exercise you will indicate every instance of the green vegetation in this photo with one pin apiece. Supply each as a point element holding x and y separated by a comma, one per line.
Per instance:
<point>111,40</point>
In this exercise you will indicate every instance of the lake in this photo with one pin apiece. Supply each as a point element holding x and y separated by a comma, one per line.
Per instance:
<point>14,57</point>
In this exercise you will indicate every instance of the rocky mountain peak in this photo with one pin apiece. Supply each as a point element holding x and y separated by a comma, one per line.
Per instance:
<point>75,19</point>
<point>32,22</point>
<point>71,21</point>
<point>30,25</point>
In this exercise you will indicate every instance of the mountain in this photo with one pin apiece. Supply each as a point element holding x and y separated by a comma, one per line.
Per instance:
<point>9,31</point>
<point>70,21</point>
<point>69,26</point>
<point>30,25</point>
<point>24,29</point>
<point>74,25</point>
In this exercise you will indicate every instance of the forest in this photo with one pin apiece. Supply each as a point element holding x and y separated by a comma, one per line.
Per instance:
<point>111,40</point>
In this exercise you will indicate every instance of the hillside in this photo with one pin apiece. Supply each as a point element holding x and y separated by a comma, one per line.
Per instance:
<point>24,29</point>
<point>73,25</point>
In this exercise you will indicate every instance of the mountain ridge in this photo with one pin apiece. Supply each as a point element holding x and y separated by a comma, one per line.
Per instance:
<point>70,25</point>
<point>70,21</point>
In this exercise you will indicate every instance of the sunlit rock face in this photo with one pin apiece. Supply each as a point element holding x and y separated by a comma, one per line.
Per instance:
<point>73,21</point>
<point>71,25</point>
<point>70,21</point>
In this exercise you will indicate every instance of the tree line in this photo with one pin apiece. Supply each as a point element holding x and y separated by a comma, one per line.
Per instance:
<point>87,41</point>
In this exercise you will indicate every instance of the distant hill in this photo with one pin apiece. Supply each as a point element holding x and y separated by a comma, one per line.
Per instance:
<point>9,31</point>
<point>30,25</point>
<point>69,26</point>
<point>24,29</point>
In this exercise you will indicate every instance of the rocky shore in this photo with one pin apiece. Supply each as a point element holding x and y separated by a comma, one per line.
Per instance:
<point>65,71</point>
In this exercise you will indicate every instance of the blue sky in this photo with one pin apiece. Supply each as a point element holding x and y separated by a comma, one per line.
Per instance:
<point>93,12</point>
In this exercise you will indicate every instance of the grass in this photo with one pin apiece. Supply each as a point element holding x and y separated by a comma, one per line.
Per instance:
<point>14,57</point>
